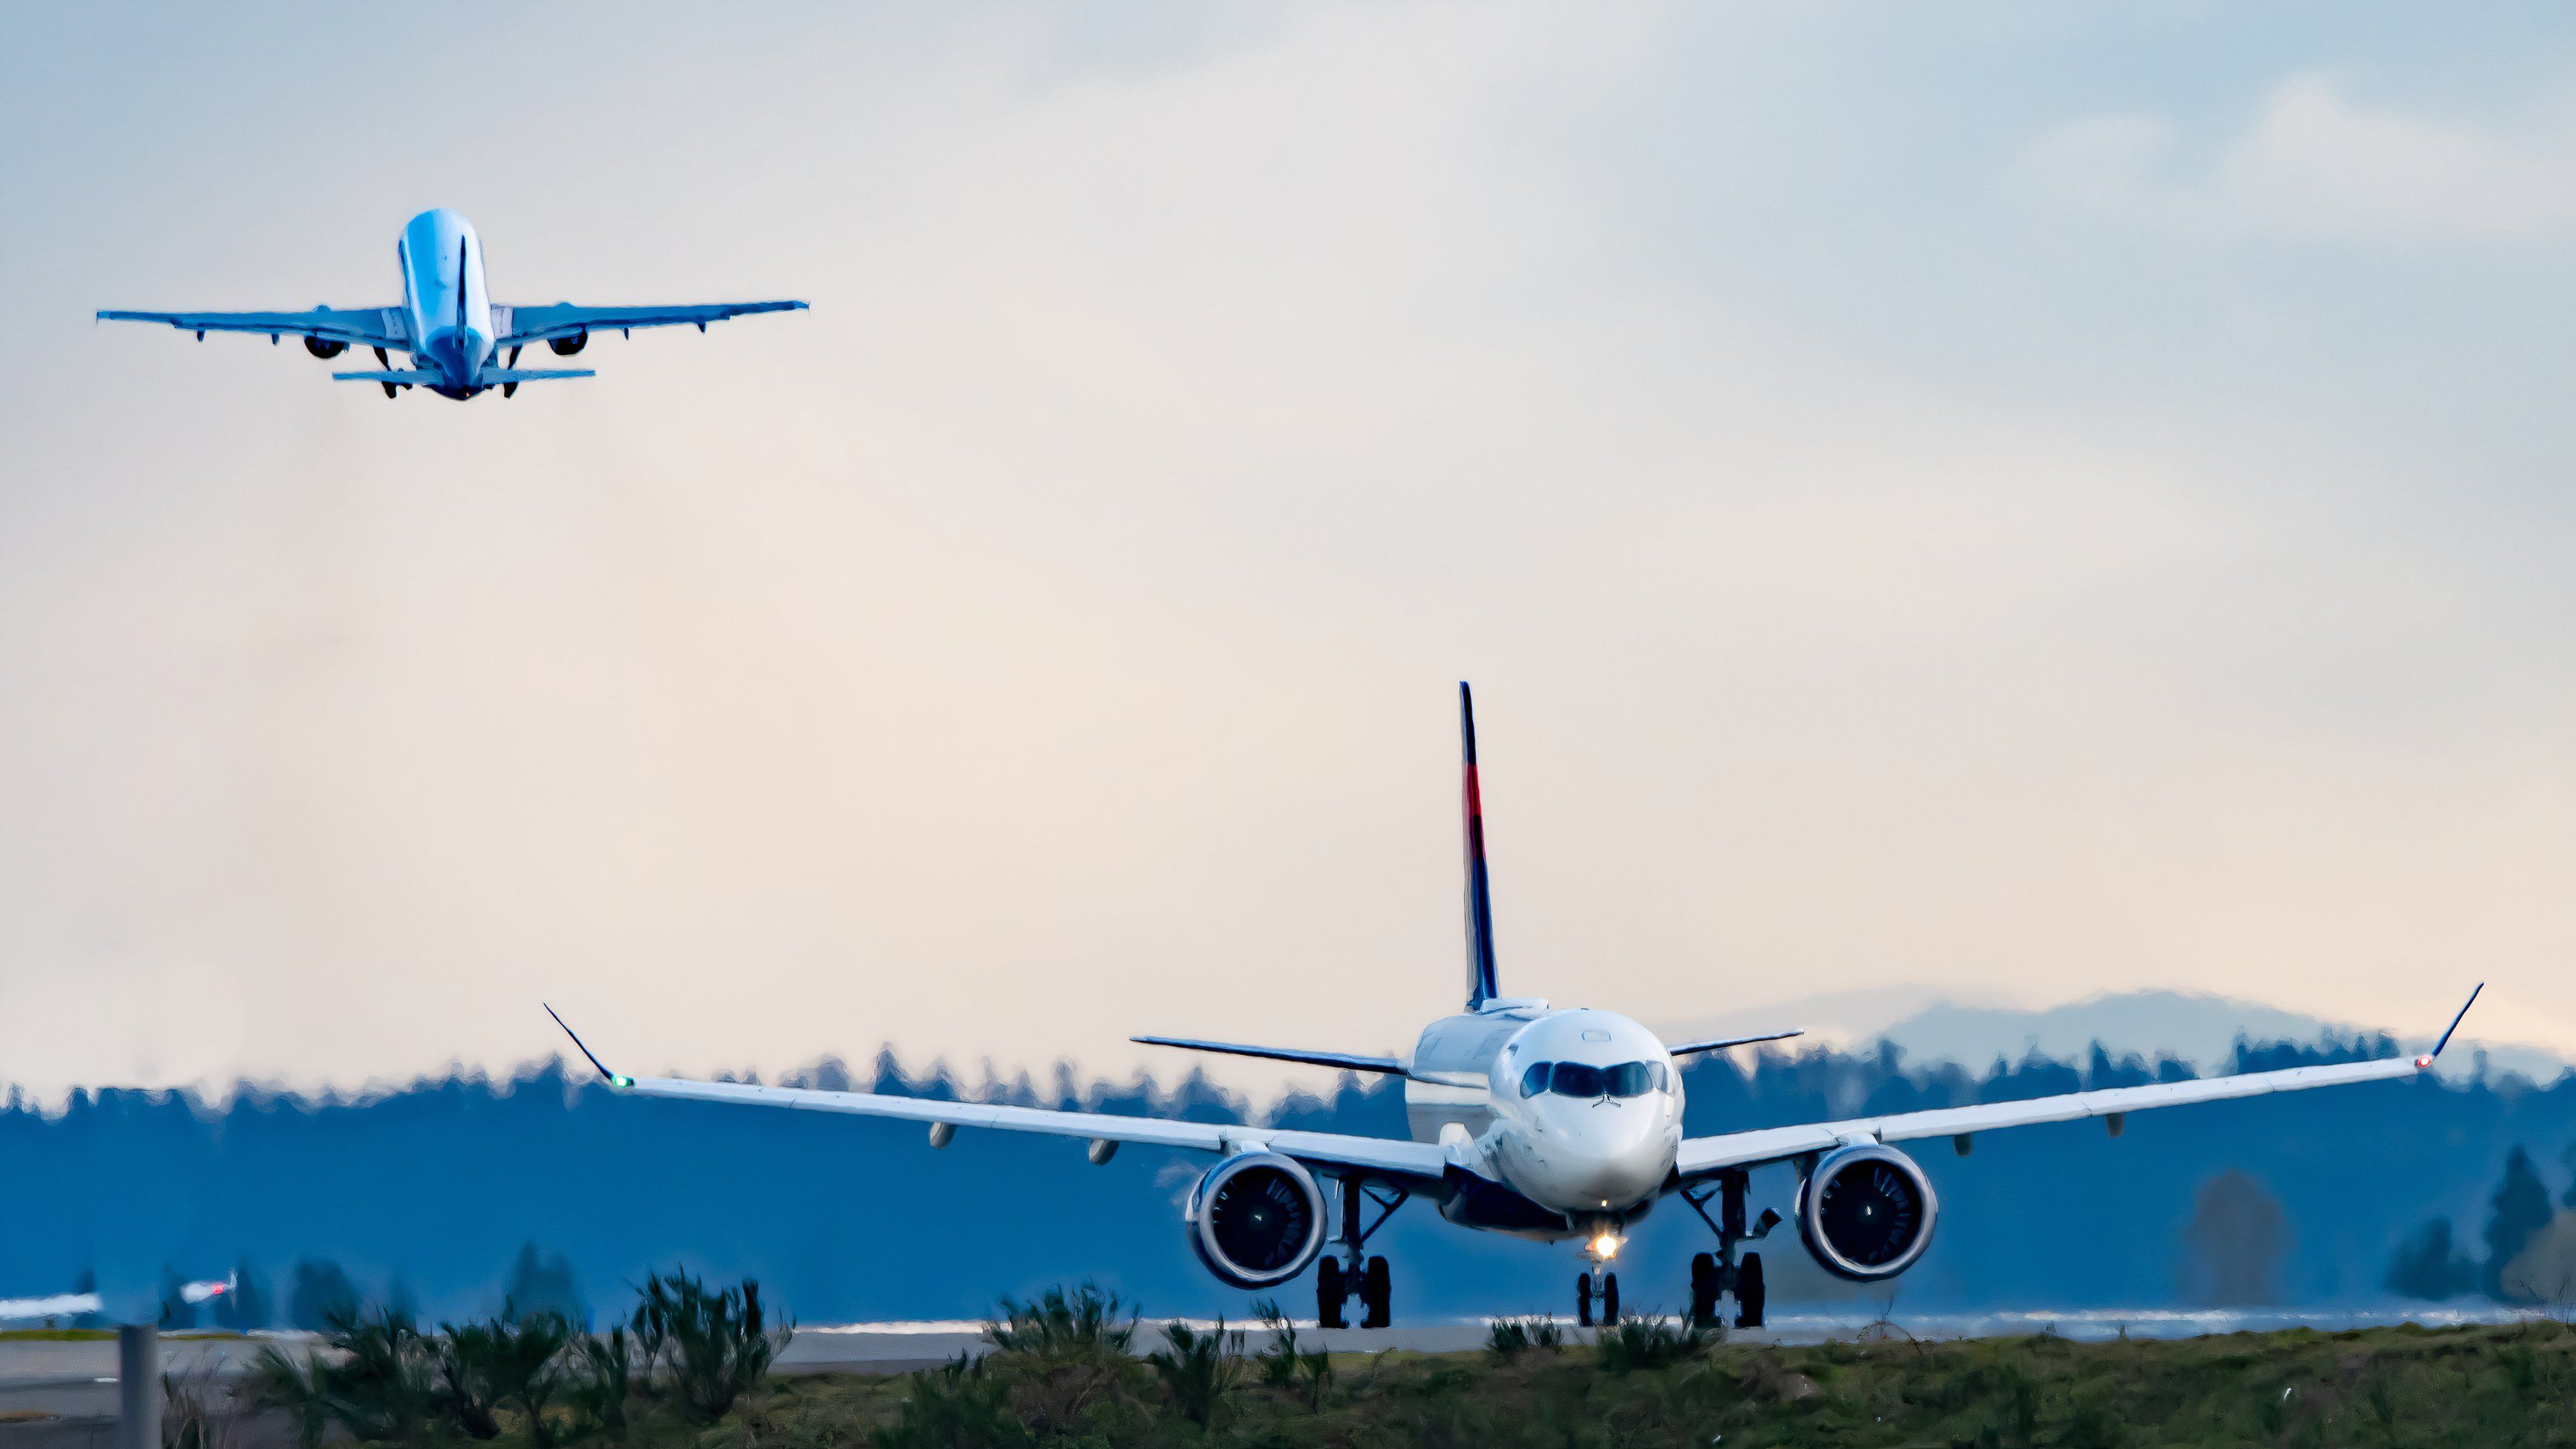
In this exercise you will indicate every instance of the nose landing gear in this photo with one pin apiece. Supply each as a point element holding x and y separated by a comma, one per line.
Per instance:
<point>1588,1291</point>
<point>1338,1280</point>
<point>1714,1275</point>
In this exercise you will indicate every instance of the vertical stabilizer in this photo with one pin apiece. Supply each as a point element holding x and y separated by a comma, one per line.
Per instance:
<point>1481,985</point>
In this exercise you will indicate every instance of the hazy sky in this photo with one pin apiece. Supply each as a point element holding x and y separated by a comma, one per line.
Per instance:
<point>2033,500</point>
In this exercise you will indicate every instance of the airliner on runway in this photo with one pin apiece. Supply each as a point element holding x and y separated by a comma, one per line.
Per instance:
<point>447,321</point>
<point>1544,1123</point>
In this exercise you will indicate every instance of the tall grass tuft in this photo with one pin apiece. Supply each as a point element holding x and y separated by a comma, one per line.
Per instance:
<point>1646,1343</point>
<point>1198,1368</point>
<point>961,1404</point>
<point>599,1378</point>
<point>714,1345</point>
<point>1058,1324</point>
<point>1306,1373</point>
<point>1508,1338</point>
<point>1067,1355</point>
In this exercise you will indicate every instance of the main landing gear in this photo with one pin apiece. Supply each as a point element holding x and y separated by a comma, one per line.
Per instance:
<point>1338,1280</point>
<point>1714,1275</point>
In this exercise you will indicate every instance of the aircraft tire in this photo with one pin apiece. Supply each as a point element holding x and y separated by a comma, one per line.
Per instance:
<point>1328,1294</point>
<point>1377,1295</point>
<point>1609,1299</point>
<point>389,389</point>
<point>1583,1300</point>
<point>1748,1292</point>
<point>1703,1290</point>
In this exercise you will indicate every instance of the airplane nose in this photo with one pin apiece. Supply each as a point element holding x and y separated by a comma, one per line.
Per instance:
<point>1606,1152</point>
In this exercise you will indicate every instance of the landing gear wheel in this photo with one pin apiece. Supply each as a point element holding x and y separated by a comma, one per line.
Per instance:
<point>1329,1295</point>
<point>1583,1300</point>
<point>1703,1291</point>
<point>1748,1292</point>
<point>1609,1299</point>
<point>1377,1290</point>
<point>389,389</point>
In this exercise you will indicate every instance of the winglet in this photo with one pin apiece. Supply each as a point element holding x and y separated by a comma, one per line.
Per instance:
<point>614,1079</point>
<point>2425,1062</point>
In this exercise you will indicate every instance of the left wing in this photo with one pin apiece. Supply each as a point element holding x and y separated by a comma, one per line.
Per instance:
<point>519,326</point>
<point>1701,1156</point>
<point>1418,1166</point>
<point>365,326</point>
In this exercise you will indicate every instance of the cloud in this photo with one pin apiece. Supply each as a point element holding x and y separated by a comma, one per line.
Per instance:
<point>2317,166</point>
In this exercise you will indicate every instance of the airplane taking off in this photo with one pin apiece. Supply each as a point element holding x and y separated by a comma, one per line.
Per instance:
<point>447,320</point>
<point>1543,1123</point>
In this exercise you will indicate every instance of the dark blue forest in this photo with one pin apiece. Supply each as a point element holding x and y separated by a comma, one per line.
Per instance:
<point>432,1193</point>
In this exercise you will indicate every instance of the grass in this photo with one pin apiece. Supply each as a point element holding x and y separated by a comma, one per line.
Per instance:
<point>1070,1369</point>
<point>2482,1386</point>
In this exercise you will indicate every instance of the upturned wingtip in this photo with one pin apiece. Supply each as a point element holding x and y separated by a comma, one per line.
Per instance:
<point>2426,1060</point>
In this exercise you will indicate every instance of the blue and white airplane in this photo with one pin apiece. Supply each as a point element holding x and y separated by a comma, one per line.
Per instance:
<point>460,343</point>
<point>1543,1123</point>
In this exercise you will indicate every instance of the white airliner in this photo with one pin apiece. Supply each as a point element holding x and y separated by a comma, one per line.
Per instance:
<point>1544,1123</point>
<point>139,1306</point>
<point>447,320</point>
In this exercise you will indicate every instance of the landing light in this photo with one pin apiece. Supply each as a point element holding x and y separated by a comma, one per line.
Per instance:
<point>1605,1246</point>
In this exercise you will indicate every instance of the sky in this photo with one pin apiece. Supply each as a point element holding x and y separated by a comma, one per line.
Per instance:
<point>2010,502</point>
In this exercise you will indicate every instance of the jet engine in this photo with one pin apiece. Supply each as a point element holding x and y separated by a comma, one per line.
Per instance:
<point>567,346</point>
<point>323,349</point>
<point>1866,1212</point>
<point>1256,1219</point>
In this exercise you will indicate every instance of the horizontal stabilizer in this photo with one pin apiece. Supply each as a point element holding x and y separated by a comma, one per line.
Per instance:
<point>493,375</point>
<point>1344,1060</point>
<point>1716,1044</point>
<point>399,377</point>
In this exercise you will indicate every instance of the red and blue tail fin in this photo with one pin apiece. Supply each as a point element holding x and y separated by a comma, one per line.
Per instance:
<point>1481,986</point>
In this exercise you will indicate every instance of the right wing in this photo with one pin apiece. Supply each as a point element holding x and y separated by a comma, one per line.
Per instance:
<point>365,326</point>
<point>1418,1166</point>
<point>520,326</point>
<point>1701,1156</point>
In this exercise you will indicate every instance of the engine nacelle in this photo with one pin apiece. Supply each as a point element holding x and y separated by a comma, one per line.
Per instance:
<point>567,346</point>
<point>1256,1219</point>
<point>1866,1212</point>
<point>323,349</point>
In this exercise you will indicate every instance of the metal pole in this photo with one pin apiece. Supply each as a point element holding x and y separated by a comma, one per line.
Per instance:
<point>138,1386</point>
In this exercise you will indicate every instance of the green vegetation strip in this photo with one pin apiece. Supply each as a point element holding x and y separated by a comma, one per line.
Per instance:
<point>1076,1368</point>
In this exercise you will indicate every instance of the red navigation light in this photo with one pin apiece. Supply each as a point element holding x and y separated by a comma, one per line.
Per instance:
<point>2424,1063</point>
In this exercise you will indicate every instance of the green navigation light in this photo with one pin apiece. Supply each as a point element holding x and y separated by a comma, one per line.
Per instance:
<point>621,1081</point>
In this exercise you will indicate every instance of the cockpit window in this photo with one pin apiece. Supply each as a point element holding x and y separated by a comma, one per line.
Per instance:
<point>1575,1079</point>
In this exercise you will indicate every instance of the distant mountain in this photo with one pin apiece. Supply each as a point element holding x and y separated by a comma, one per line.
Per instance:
<point>2203,1030</point>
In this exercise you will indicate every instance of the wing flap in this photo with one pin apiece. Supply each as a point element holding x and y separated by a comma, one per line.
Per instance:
<point>523,325</point>
<point>1407,1161</point>
<point>1702,1155</point>
<point>365,326</point>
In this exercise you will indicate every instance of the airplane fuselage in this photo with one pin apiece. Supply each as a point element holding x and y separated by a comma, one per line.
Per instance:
<point>1577,1112</point>
<point>446,302</point>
